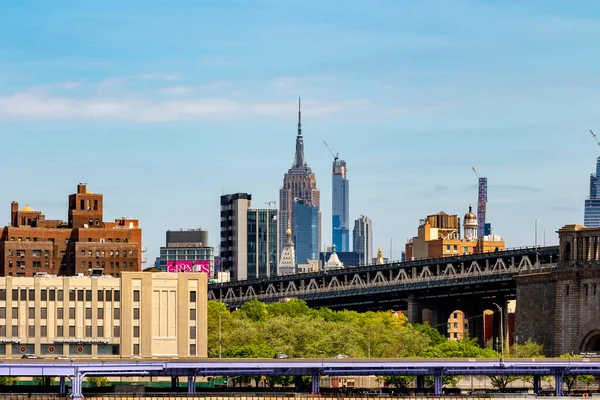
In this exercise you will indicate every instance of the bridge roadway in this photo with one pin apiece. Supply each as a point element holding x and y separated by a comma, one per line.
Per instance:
<point>389,286</point>
<point>76,371</point>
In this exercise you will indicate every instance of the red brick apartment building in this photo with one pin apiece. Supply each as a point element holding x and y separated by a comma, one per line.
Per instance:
<point>34,245</point>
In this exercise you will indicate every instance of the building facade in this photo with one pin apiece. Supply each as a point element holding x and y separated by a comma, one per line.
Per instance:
<point>363,239</point>
<point>439,235</point>
<point>187,251</point>
<point>305,231</point>
<point>340,195</point>
<point>591,214</point>
<point>298,183</point>
<point>263,243</point>
<point>103,317</point>
<point>234,245</point>
<point>287,261</point>
<point>33,244</point>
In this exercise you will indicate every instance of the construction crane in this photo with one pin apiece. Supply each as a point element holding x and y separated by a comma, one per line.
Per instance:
<point>335,156</point>
<point>475,171</point>
<point>595,137</point>
<point>270,203</point>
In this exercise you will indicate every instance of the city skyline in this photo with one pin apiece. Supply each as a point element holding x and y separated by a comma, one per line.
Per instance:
<point>164,122</point>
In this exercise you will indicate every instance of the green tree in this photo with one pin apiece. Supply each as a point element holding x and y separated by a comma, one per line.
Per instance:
<point>459,349</point>
<point>570,380</point>
<point>500,382</point>
<point>98,381</point>
<point>401,382</point>
<point>529,349</point>
<point>435,337</point>
<point>44,380</point>
<point>587,380</point>
<point>255,310</point>
<point>8,380</point>
<point>249,351</point>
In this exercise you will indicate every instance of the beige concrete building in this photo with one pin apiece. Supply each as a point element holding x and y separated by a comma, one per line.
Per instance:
<point>151,315</point>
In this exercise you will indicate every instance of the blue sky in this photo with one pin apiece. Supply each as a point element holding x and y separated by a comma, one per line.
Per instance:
<point>163,106</point>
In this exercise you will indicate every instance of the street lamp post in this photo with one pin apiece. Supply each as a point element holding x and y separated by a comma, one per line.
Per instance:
<point>219,334</point>
<point>501,330</point>
<point>391,248</point>
<point>536,230</point>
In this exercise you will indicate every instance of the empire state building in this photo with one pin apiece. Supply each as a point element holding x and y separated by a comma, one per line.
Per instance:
<point>299,205</point>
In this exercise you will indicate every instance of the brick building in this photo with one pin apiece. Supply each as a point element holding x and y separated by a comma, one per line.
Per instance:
<point>33,244</point>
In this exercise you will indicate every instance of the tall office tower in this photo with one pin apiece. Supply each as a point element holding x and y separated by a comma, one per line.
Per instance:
<point>234,234</point>
<point>591,214</point>
<point>187,251</point>
<point>340,196</point>
<point>363,239</point>
<point>305,231</point>
<point>482,208</point>
<point>298,183</point>
<point>263,243</point>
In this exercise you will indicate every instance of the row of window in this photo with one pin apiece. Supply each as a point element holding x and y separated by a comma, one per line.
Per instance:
<point>58,295</point>
<point>111,253</point>
<point>67,241</point>
<point>60,313</point>
<point>60,331</point>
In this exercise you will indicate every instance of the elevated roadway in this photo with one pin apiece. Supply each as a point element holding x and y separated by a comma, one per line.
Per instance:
<point>76,371</point>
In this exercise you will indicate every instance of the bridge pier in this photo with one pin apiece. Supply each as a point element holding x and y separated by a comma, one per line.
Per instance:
<point>76,389</point>
<point>62,391</point>
<point>191,384</point>
<point>174,383</point>
<point>316,384</point>
<point>537,383</point>
<point>558,383</point>
<point>437,386</point>
<point>420,384</point>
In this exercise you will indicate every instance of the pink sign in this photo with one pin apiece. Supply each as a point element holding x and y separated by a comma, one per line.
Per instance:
<point>189,266</point>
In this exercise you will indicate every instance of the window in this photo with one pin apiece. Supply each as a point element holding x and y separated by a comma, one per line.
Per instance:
<point>15,331</point>
<point>136,331</point>
<point>88,295</point>
<point>31,331</point>
<point>117,295</point>
<point>100,295</point>
<point>60,331</point>
<point>117,331</point>
<point>43,331</point>
<point>192,332</point>
<point>108,295</point>
<point>31,312</point>
<point>15,312</point>
<point>43,313</point>
<point>15,295</point>
<point>72,331</point>
<point>567,290</point>
<point>71,295</point>
<point>80,295</point>
<point>192,349</point>
<point>101,313</point>
<point>136,295</point>
<point>72,313</point>
<point>60,295</point>
<point>36,253</point>
<point>193,296</point>
<point>23,294</point>
<point>44,294</point>
<point>447,247</point>
<point>193,314</point>
<point>2,294</point>
<point>36,264</point>
<point>3,330</point>
<point>46,253</point>
<point>117,313</point>
<point>88,313</point>
<point>136,349</point>
<point>88,331</point>
<point>52,295</point>
<point>60,313</point>
<point>136,313</point>
<point>455,315</point>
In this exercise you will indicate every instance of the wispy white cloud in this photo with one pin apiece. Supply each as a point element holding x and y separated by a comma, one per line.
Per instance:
<point>176,90</point>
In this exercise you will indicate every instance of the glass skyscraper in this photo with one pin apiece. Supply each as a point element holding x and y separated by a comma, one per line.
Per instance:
<point>591,213</point>
<point>363,239</point>
<point>305,230</point>
<point>340,194</point>
<point>263,246</point>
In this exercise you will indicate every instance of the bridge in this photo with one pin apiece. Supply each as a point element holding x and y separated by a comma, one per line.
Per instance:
<point>76,371</point>
<point>470,283</point>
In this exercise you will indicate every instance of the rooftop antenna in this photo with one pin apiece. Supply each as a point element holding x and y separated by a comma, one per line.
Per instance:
<point>595,137</point>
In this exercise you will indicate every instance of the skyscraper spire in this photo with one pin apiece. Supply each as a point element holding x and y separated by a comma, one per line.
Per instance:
<point>299,161</point>
<point>299,118</point>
